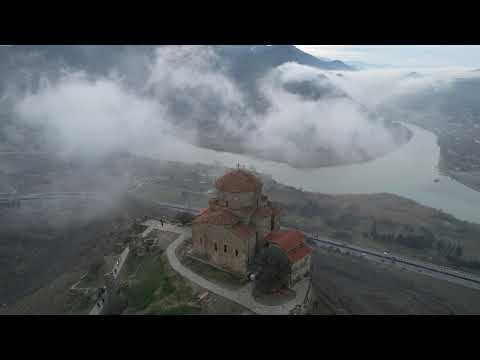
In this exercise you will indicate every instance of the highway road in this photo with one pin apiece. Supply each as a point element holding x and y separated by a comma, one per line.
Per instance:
<point>407,264</point>
<point>45,196</point>
<point>166,187</point>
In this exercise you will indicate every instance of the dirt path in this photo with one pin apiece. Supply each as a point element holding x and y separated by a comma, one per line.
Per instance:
<point>242,296</point>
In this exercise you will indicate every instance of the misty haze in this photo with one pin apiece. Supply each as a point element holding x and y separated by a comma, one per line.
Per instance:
<point>136,178</point>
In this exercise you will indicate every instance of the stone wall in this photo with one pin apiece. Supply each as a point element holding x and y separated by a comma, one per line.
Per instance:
<point>299,269</point>
<point>263,228</point>
<point>218,245</point>
<point>276,223</point>
<point>237,200</point>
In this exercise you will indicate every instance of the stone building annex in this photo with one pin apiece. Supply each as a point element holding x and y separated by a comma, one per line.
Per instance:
<point>239,222</point>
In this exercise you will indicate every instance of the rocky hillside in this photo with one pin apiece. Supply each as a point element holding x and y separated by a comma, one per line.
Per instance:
<point>26,63</point>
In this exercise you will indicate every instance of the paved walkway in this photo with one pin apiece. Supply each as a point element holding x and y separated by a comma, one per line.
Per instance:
<point>97,310</point>
<point>242,296</point>
<point>121,260</point>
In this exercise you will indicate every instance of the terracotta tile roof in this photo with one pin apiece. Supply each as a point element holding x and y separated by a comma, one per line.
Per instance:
<point>239,180</point>
<point>290,241</point>
<point>202,211</point>
<point>243,231</point>
<point>286,239</point>
<point>216,216</point>
<point>299,253</point>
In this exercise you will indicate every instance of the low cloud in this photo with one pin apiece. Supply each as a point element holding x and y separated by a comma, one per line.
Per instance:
<point>381,86</point>
<point>297,127</point>
<point>91,117</point>
<point>185,92</point>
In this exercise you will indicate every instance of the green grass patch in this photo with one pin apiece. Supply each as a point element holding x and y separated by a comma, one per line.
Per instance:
<point>215,275</point>
<point>151,282</point>
<point>131,264</point>
<point>79,305</point>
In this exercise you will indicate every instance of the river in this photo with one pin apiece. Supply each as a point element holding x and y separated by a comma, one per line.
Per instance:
<point>409,171</point>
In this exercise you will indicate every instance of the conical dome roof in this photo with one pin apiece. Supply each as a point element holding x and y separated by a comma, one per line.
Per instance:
<point>237,181</point>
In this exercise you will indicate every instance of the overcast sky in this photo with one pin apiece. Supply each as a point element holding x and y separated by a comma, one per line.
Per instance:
<point>401,55</point>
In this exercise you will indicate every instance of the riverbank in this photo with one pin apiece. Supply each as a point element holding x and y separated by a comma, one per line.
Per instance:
<point>410,171</point>
<point>469,179</point>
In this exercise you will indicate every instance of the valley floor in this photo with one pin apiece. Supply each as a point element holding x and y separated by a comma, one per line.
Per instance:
<point>344,284</point>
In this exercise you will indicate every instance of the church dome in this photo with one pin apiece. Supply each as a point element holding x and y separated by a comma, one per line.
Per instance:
<point>238,181</point>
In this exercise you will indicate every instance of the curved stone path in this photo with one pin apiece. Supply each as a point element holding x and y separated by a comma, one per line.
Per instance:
<point>242,296</point>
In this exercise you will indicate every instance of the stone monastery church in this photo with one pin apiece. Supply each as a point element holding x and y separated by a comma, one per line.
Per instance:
<point>239,222</point>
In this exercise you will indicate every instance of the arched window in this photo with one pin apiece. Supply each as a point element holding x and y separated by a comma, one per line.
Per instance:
<point>224,248</point>
<point>236,253</point>
<point>215,247</point>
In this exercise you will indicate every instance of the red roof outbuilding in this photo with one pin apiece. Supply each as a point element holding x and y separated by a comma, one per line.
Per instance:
<point>291,242</point>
